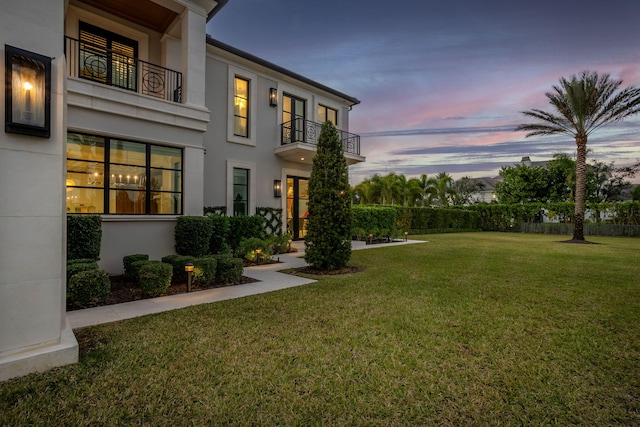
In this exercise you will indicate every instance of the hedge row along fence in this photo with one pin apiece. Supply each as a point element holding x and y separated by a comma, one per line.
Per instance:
<point>621,218</point>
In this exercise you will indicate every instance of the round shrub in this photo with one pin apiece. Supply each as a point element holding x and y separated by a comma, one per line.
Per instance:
<point>204,270</point>
<point>81,261</point>
<point>88,287</point>
<point>229,269</point>
<point>177,263</point>
<point>154,277</point>
<point>130,259</point>
<point>134,269</point>
<point>75,268</point>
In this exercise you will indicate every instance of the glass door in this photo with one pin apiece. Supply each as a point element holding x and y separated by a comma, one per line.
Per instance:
<point>293,117</point>
<point>297,203</point>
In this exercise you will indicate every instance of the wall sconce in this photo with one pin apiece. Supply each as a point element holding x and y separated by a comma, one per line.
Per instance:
<point>188,267</point>
<point>277,188</point>
<point>27,93</point>
<point>273,97</point>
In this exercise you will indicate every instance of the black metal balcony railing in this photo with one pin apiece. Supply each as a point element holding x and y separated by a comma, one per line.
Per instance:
<point>112,68</point>
<point>308,132</point>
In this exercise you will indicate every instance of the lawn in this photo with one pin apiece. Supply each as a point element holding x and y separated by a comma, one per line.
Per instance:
<point>474,328</point>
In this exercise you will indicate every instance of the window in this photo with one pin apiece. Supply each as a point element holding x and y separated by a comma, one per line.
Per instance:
<point>240,191</point>
<point>241,107</point>
<point>293,117</point>
<point>107,57</point>
<point>109,175</point>
<point>327,114</point>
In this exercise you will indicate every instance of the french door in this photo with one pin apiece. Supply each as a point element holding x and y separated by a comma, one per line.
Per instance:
<point>297,203</point>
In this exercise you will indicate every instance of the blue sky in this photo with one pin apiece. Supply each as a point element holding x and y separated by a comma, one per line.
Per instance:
<point>441,84</point>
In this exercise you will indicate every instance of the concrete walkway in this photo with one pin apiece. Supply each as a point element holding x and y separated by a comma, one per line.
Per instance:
<point>269,280</point>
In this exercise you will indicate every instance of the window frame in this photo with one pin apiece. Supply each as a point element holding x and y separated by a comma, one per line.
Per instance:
<point>251,167</point>
<point>233,73</point>
<point>109,165</point>
<point>326,110</point>
<point>236,115</point>
<point>110,37</point>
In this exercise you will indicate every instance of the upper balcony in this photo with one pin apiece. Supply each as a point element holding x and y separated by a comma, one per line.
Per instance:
<point>115,68</point>
<point>299,137</point>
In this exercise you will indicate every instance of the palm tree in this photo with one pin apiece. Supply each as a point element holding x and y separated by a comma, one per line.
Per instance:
<point>441,187</point>
<point>582,105</point>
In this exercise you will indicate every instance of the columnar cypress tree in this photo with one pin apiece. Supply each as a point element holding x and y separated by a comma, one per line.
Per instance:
<point>328,239</point>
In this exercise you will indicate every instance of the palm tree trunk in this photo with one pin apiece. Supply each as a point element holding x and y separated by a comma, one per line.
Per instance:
<point>581,179</point>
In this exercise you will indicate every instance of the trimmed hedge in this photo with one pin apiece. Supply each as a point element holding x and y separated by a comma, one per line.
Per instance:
<point>416,218</point>
<point>204,270</point>
<point>154,277</point>
<point>218,243</point>
<point>177,263</point>
<point>377,220</point>
<point>84,236</point>
<point>229,270</point>
<point>193,235</point>
<point>88,287</point>
<point>128,261</point>
<point>78,267</point>
<point>245,227</point>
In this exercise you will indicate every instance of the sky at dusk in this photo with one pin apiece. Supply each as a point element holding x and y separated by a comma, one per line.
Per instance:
<point>442,83</point>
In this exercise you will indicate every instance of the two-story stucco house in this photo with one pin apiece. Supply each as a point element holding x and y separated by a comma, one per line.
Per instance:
<point>147,119</point>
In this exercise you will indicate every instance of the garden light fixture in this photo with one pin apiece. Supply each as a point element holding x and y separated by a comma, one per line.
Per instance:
<point>188,267</point>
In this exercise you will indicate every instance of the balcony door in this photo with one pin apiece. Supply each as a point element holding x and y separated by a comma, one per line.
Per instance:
<point>297,203</point>
<point>293,117</point>
<point>107,57</point>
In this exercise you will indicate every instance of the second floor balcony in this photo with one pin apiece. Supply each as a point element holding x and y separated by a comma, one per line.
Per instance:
<point>114,67</point>
<point>299,137</point>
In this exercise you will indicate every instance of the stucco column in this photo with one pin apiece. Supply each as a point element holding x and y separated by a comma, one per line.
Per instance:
<point>193,57</point>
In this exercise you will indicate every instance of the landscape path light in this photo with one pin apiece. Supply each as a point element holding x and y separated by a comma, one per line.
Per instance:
<point>188,267</point>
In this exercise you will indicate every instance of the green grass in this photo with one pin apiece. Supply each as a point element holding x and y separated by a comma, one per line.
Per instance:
<point>477,328</point>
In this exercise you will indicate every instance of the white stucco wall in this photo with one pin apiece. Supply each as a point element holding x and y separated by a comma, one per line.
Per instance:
<point>33,331</point>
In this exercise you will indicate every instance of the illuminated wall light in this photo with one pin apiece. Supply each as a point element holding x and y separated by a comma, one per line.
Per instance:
<point>27,93</point>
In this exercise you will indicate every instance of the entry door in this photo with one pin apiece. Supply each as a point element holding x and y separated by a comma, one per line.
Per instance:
<point>297,202</point>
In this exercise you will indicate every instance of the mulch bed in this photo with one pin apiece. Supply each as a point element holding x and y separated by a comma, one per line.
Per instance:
<point>123,290</point>
<point>345,270</point>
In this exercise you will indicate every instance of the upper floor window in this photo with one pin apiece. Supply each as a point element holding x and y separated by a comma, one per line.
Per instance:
<point>327,114</point>
<point>293,119</point>
<point>107,57</point>
<point>109,175</point>
<point>241,107</point>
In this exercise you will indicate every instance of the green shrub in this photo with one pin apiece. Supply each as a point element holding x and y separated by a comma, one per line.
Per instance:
<point>247,249</point>
<point>84,236</point>
<point>220,231</point>
<point>134,269</point>
<point>154,277</point>
<point>244,227</point>
<point>377,220</point>
<point>128,261</point>
<point>88,287</point>
<point>328,238</point>
<point>75,268</point>
<point>204,270</point>
<point>279,243</point>
<point>177,263</point>
<point>80,261</point>
<point>229,270</point>
<point>193,235</point>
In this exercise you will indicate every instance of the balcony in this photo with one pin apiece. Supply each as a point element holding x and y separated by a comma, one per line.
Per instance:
<point>113,68</point>
<point>299,137</point>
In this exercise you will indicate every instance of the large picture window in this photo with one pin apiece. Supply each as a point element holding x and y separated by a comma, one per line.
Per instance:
<point>114,176</point>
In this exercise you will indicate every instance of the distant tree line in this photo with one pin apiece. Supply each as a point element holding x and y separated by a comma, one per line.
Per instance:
<point>555,181</point>
<point>396,189</point>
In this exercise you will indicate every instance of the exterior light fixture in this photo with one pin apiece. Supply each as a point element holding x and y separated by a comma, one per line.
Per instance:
<point>273,97</point>
<point>27,93</point>
<point>258,252</point>
<point>188,267</point>
<point>406,233</point>
<point>277,188</point>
